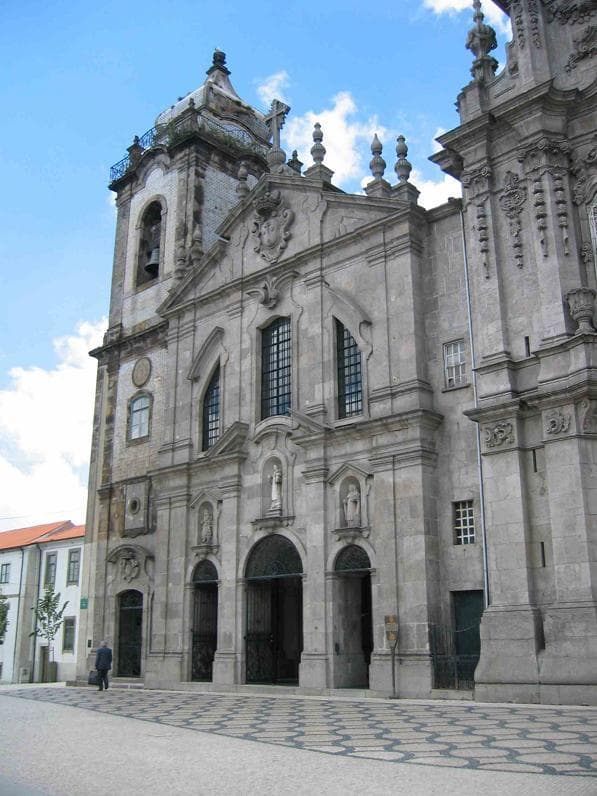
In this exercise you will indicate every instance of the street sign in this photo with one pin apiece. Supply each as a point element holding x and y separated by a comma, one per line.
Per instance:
<point>83,603</point>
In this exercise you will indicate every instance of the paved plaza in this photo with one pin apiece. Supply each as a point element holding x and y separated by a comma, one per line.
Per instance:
<point>560,742</point>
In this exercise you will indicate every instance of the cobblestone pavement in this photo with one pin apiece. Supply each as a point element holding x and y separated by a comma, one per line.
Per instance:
<point>515,738</point>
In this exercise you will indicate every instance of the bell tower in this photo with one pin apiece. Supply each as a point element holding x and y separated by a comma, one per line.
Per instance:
<point>526,154</point>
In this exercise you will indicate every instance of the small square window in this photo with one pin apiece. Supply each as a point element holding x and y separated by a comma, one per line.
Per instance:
<point>68,634</point>
<point>4,573</point>
<point>454,364</point>
<point>464,522</point>
<point>74,564</point>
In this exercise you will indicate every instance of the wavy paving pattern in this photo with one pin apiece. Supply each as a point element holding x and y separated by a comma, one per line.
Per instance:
<point>519,739</point>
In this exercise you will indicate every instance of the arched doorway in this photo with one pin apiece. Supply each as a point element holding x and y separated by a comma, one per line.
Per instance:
<point>274,639</point>
<point>130,633</point>
<point>205,620</point>
<point>353,624</point>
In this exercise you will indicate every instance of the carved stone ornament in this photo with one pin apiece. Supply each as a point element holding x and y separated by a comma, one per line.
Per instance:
<point>512,199</point>
<point>556,422</point>
<point>586,254</point>
<point>141,372</point>
<point>570,11</point>
<point>582,306</point>
<point>268,292</point>
<point>585,47</point>
<point>581,168</point>
<point>129,567</point>
<point>517,17</point>
<point>477,181</point>
<point>500,434</point>
<point>588,416</point>
<point>270,226</point>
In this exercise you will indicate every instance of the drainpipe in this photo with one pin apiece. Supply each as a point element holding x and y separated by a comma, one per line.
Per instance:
<point>14,652</point>
<point>476,402</point>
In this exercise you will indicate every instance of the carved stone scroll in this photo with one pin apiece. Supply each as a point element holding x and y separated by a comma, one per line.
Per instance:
<point>557,422</point>
<point>500,434</point>
<point>511,201</point>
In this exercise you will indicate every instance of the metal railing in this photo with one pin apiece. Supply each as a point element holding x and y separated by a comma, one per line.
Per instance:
<point>186,125</point>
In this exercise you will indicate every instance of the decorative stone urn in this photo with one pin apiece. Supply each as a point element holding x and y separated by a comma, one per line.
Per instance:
<point>582,304</point>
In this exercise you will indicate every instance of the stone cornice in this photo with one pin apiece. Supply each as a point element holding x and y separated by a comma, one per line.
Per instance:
<point>131,344</point>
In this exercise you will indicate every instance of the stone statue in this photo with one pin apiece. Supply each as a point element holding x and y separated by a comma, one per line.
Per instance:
<point>352,507</point>
<point>276,494</point>
<point>206,526</point>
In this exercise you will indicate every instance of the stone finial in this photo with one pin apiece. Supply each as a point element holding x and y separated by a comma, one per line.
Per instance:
<point>219,63</point>
<point>242,189</point>
<point>294,163</point>
<point>135,151</point>
<point>318,149</point>
<point>481,41</point>
<point>403,167</point>
<point>377,164</point>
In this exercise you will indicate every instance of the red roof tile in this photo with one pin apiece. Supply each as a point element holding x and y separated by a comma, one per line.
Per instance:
<point>52,531</point>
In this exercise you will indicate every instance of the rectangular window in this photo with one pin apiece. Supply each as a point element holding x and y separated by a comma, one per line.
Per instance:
<point>139,411</point>
<point>211,412</point>
<point>4,573</point>
<point>276,369</point>
<point>68,634</point>
<point>50,577</point>
<point>350,386</point>
<point>454,364</point>
<point>74,564</point>
<point>464,522</point>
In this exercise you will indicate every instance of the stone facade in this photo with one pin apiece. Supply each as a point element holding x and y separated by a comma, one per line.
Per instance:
<point>452,469</point>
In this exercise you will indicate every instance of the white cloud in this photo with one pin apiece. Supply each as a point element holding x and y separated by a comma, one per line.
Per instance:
<point>494,15</point>
<point>346,137</point>
<point>273,87</point>
<point>45,434</point>
<point>435,192</point>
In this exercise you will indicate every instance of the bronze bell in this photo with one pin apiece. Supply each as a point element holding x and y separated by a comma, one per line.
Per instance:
<point>153,264</point>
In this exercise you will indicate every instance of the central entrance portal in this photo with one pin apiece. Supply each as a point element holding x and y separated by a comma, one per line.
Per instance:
<point>274,639</point>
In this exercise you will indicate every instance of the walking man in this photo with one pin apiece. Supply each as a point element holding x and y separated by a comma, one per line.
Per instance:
<point>103,664</point>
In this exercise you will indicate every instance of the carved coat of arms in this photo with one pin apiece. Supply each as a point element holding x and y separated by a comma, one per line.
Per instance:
<point>270,226</point>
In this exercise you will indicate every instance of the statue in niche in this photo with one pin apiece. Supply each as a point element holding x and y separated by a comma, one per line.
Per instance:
<point>207,529</point>
<point>352,507</point>
<point>276,493</point>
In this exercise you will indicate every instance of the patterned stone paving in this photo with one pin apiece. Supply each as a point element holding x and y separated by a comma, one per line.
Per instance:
<point>520,739</point>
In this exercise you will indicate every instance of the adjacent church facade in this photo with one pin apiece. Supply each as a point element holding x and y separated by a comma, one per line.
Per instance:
<point>320,416</point>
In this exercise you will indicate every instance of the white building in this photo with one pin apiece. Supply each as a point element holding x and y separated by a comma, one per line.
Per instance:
<point>29,559</point>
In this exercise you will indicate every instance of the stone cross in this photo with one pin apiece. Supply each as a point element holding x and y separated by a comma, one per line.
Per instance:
<point>275,121</point>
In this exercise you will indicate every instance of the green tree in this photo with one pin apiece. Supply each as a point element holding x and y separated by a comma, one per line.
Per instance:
<point>49,617</point>
<point>3,615</point>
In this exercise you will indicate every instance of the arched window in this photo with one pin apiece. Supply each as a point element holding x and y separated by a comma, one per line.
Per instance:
<point>211,412</point>
<point>148,266</point>
<point>276,363</point>
<point>350,384</point>
<point>139,416</point>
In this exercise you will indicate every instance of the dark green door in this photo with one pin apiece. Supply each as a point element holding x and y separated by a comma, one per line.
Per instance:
<point>468,609</point>
<point>130,623</point>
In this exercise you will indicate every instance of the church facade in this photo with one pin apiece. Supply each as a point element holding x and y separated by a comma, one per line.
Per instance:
<point>341,441</point>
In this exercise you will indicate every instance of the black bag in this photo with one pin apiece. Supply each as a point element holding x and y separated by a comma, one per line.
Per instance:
<point>93,678</point>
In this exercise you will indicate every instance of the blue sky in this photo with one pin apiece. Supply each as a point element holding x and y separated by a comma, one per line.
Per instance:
<point>80,79</point>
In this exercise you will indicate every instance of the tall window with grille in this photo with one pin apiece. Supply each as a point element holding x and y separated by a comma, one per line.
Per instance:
<point>73,567</point>
<point>68,634</point>
<point>464,522</point>
<point>4,573</point>
<point>350,384</point>
<point>211,412</point>
<point>50,575</point>
<point>276,367</point>
<point>139,416</point>
<point>454,364</point>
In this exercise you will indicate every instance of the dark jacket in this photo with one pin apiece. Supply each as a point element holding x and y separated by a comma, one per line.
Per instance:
<point>103,658</point>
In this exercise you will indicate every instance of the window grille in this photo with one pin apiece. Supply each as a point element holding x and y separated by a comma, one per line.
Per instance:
<point>211,412</point>
<point>50,578</point>
<point>139,417</point>
<point>464,522</point>
<point>454,363</point>
<point>68,634</point>
<point>4,573</point>
<point>276,359</point>
<point>74,564</point>
<point>350,385</point>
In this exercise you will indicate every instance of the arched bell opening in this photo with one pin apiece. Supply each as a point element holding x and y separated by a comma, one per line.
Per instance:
<point>205,621</point>
<point>130,633</point>
<point>274,612</point>
<point>353,621</point>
